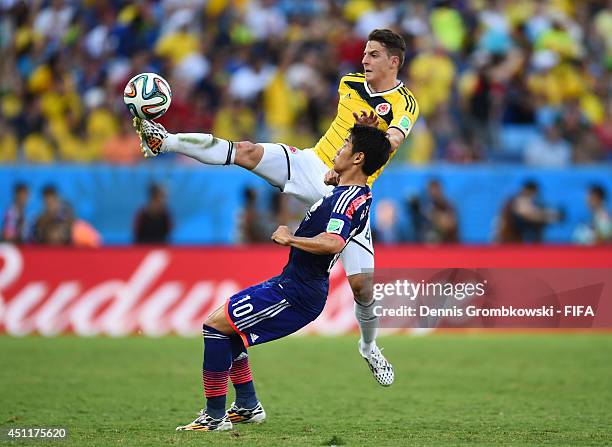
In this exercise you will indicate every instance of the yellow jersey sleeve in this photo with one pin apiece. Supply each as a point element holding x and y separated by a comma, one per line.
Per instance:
<point>405,111</point>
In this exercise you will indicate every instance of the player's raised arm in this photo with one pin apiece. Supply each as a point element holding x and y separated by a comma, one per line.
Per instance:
<point>321,244</point>
<point>331,178</point>
<point>395,138</point>
<point>405,113</point>
<point>395,134</point>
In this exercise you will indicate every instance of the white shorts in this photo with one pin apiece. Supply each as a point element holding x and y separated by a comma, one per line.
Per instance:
<point>300,173</point>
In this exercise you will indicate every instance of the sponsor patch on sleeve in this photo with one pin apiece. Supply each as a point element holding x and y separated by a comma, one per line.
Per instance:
<point>405,123</point>
<point>335,226</point>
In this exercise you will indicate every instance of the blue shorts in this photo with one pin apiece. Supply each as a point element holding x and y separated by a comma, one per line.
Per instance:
<point>260,314</point>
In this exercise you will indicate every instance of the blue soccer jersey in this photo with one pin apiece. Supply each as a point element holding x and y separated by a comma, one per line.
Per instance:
<point>343,213</point>
<point>288,302</point>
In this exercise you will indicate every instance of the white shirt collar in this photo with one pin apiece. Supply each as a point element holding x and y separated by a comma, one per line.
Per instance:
<point>385,92</point>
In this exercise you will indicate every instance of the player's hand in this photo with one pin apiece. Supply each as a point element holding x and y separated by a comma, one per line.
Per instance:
<point>331,178</point>
<point>282,235</point>
<point>366,119</point>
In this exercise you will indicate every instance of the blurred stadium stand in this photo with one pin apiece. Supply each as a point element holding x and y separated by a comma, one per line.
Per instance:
<point>206,201</point>
<point>490,77</point>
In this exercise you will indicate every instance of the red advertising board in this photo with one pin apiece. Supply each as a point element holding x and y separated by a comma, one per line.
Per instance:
<point>157,291</point>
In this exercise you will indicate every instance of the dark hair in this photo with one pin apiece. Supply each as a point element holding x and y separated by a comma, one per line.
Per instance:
<point>49,190</point>
<point>374,144</point>
<point>530,185</point>
<point>155,190</point>
<point>393,42</point>
<point>598,191</point>
<point>249,195</point>
<point>20,187</point>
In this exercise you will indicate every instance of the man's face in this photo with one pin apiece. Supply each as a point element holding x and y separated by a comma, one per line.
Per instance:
<point>377,62</point>
<point>593,201</point>
<point>531,193</point>
<point>52,203</point>
<point>553,133</point>
<point>344,157</point>
<point>158,200</point>
<point>22,197</point>
<point>435,192</point>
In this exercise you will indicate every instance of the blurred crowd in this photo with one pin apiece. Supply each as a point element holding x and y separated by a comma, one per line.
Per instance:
<point>497,80</point>
<point>430,217</point>
<point>57,223</point>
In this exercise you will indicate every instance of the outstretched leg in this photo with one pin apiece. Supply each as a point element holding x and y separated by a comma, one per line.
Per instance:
<point>267,160</point>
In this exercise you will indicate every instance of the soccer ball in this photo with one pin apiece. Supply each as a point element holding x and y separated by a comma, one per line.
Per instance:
<point>147,96</point>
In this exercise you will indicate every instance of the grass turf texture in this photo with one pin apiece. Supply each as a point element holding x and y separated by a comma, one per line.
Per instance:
<point>498,389</point>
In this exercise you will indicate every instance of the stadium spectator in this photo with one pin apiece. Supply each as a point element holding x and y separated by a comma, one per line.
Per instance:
<point>253,227</point>
<point>264,19</point>
<point>54,225</point>
<point>488,75</point>
<point>14,224</point>
<point>251,79</point>
<point>8,143</point>
<point>523,217</point>
<point>386,228</point>
<point>85,235</point>
<point>235,121</point>
<point>123,148</point>
<point>485,64</point>
<point>604,132</point>
<point>440,223</point>
<point>257,223</point>
<point>549,150</point>
<point>578,130</point>
<point>412,210</point>
<point>448,26</point>
<point>432,71</point>
<point>153,223</point>
<point>599,229</point>
<point>52,22</point>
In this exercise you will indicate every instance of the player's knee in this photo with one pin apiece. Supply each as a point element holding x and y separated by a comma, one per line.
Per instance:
<point>210,321</point>
<point>361,284</point>
<point>248,154</point>
<point>216,320</point>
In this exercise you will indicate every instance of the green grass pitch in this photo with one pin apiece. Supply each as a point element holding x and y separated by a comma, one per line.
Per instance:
<point>450,389</point>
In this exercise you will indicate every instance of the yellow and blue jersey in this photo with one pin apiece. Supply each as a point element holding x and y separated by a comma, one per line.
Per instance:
<point>396,108</point>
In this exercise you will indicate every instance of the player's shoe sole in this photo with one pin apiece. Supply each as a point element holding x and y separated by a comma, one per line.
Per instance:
<point>239,415</point>
<point>206,423</point>
<point>380,367</point>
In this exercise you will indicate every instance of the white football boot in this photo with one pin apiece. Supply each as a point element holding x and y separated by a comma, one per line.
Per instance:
<point>204,422</point>
<point>381,369</point>
<point>239,415</point>
<point>152,136</point>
